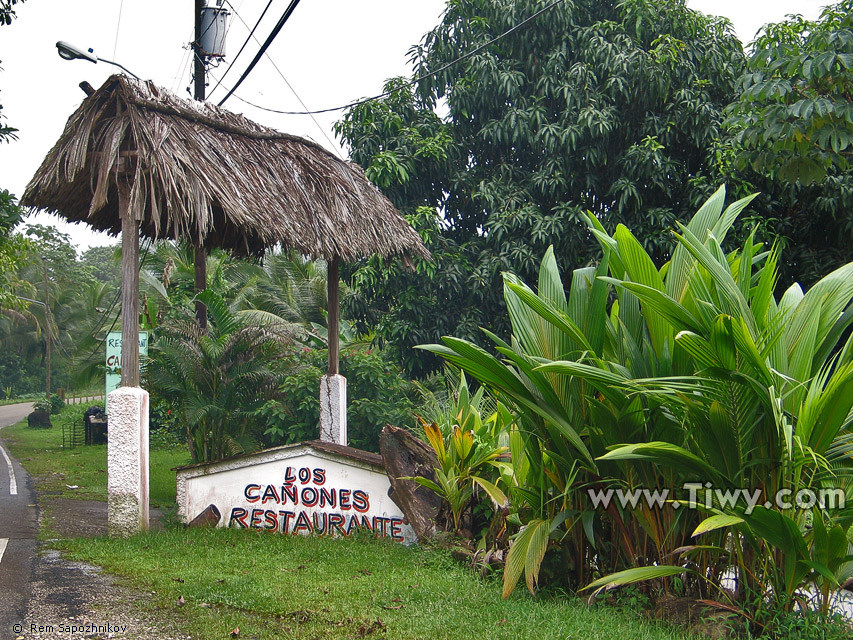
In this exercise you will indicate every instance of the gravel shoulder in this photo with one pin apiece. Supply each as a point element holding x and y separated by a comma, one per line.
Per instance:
<point>75,601</point>
<point>72,600</point>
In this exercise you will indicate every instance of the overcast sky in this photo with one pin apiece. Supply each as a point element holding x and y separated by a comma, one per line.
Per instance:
<point>330,52</point>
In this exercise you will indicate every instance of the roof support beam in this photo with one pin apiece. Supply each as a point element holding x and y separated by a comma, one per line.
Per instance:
<point>333,284</point>
<point>129,289</point>
<point>200,284</point>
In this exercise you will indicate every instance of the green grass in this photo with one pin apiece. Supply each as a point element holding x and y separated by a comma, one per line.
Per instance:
<point>276,586</point>
<point>41,453</point>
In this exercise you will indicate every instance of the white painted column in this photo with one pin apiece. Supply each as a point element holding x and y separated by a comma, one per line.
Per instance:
<point>127,461</point>
<point>333,409</point>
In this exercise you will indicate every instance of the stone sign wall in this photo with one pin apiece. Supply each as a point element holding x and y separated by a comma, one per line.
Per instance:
<point>308,488</point>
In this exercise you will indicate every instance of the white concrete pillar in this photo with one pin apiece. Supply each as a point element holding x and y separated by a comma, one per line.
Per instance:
<point>127,461</point>
<point>333,409</point>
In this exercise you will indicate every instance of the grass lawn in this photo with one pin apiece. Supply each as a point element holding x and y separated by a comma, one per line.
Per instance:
<point>41,453</point>
<point>276,586</point>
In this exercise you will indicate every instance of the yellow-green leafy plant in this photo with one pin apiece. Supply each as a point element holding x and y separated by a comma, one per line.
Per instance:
<point>467,449</point>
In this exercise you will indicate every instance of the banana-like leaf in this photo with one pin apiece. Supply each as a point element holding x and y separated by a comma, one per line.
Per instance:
<point>715,522</point>
<point>677,316</point>
<point>699,348</point>
<point>638,574</point>
<point>436,440</point>
<point>682,263</point>
<point>497,496</point>
<point>667,454</point>
<point>525,555</point>
<point>642,270</point>
<point>724,284</point>
<point>550,313</point>
<point>463,442</point>
<point>723,342</point>
<point>722,226</point>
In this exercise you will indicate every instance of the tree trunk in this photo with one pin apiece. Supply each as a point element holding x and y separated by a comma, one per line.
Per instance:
<point>200,285</point>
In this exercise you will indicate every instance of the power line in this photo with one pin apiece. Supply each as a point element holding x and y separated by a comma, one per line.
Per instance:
<point>118,26</point>
<point>281,74</point>
<point>251,34</point>
<point>411,82</point>
<point>182,65</point>
<point>284,18</point>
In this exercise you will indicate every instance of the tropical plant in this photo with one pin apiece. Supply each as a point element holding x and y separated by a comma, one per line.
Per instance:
<point>694,373</point>
<point>51,405</point>
<point>467,447</point>
<point>217,380</point>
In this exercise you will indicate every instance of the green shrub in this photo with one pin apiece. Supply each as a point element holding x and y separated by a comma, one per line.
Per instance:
<point>52,405</point>
<point>377,394</point>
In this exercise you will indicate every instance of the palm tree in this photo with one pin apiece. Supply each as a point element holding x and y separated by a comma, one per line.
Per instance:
<point>217,379</point>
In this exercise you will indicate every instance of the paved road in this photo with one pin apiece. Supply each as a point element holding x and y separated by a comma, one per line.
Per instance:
<point>18,529</point>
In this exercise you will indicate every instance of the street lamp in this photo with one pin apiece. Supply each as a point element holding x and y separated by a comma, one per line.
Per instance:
<point>70,52</point>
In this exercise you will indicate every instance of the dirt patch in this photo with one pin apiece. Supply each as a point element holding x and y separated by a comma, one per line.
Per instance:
<point>699,618</point>
<point>67,518</point>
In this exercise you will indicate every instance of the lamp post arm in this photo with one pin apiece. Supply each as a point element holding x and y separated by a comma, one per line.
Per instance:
<point>121,66</point>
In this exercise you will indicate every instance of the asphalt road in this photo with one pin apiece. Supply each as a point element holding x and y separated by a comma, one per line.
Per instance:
<point>18,529</point>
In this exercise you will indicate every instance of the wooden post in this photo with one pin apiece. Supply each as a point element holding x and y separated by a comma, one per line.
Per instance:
<point>199,91</point>
<point>333,278</point>
<point>333,386</point>
<point>129,289</point>
<point>200,72</point>
<point>200,284</point>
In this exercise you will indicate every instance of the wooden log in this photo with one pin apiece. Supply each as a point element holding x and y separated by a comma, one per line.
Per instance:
<point>404,455</point>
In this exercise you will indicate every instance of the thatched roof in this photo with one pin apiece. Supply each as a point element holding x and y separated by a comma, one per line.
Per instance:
<point>200,172</point>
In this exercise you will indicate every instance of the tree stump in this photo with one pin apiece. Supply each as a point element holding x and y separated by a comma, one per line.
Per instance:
<point>404,455</point>
<point>39,420</point>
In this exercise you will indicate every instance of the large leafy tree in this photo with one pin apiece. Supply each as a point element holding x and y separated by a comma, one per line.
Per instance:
<point>611,107</point>
<point>794,116</point>
<point>12,250</point>
<point>7,14</point>
<point>793,138</point>
<point>11,247</point>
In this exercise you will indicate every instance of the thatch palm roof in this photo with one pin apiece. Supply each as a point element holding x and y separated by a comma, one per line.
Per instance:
<point>201,173</point>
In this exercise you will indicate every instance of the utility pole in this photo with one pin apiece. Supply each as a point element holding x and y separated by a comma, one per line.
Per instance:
<point>199,93</point>
<point>47,335</point>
